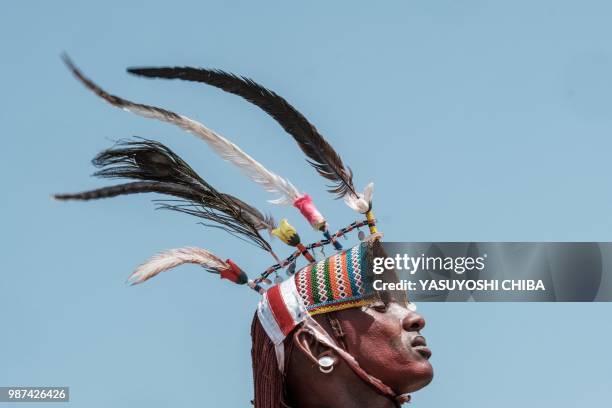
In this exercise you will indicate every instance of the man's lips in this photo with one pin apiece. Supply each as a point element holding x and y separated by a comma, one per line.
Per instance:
<point>419,345</point>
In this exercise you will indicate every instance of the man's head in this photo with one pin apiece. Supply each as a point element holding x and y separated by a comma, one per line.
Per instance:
<point>373,344</point>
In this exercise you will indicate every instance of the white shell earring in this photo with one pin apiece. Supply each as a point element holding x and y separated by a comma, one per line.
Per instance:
<point>326,364</point>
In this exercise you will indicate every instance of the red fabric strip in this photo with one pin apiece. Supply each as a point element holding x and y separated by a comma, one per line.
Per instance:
<point>279,310</point>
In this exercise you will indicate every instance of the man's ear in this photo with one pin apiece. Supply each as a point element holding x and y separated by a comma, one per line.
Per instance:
<point>312,348</point>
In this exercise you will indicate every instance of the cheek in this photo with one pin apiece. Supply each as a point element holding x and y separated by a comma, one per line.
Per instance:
<point>386,334</point>
<point>383,349</point>
<point>387,341</point>
<point>380,342</point>
<point>387,356</point>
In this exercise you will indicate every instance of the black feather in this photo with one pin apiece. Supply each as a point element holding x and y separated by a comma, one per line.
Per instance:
<point>253,214</point>
<point>322,156</point>
<point>163,171</point>
<point>145,160</point>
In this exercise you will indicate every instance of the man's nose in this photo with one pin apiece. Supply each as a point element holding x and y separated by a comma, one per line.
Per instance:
<point>413,322</point>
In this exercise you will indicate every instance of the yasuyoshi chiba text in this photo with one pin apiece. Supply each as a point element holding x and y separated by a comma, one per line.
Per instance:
<point>478,285</point>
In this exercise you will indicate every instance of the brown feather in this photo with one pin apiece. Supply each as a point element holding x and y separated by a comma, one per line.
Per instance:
<point>320,153</point>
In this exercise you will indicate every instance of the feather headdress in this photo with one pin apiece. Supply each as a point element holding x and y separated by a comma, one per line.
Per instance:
<point>160,170</point>
<point>226,149</point>
<point>320,153</point>
<point>172,258</point>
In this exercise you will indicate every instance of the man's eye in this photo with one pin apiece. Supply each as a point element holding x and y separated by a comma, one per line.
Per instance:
<point>379,307</point>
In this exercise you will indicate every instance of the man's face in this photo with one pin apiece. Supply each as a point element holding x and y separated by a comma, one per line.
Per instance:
<point>386,341</point>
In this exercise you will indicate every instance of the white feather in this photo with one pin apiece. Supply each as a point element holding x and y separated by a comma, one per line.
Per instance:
<point>271,182</point>
<point>361,201</point>
<point>172,258</point>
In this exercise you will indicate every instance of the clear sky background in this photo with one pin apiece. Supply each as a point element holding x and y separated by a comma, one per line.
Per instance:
<point>477,120</point>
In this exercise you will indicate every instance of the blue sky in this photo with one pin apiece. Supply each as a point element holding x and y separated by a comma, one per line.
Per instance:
<point>477,120</point>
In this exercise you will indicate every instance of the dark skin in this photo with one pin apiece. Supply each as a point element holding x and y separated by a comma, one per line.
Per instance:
<point>384,338</point>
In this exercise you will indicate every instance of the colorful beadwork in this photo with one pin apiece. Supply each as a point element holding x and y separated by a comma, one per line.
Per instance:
<point>336,283</point>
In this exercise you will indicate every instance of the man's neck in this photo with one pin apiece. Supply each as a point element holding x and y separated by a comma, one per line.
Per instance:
<point>341,388</point>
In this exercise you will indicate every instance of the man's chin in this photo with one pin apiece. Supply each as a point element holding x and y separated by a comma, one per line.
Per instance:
<point>420,377</point>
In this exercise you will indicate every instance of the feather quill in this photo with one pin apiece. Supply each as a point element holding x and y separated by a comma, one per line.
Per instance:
<point>137,187</point>
<point>320,153</point>
<point>227,150</point>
